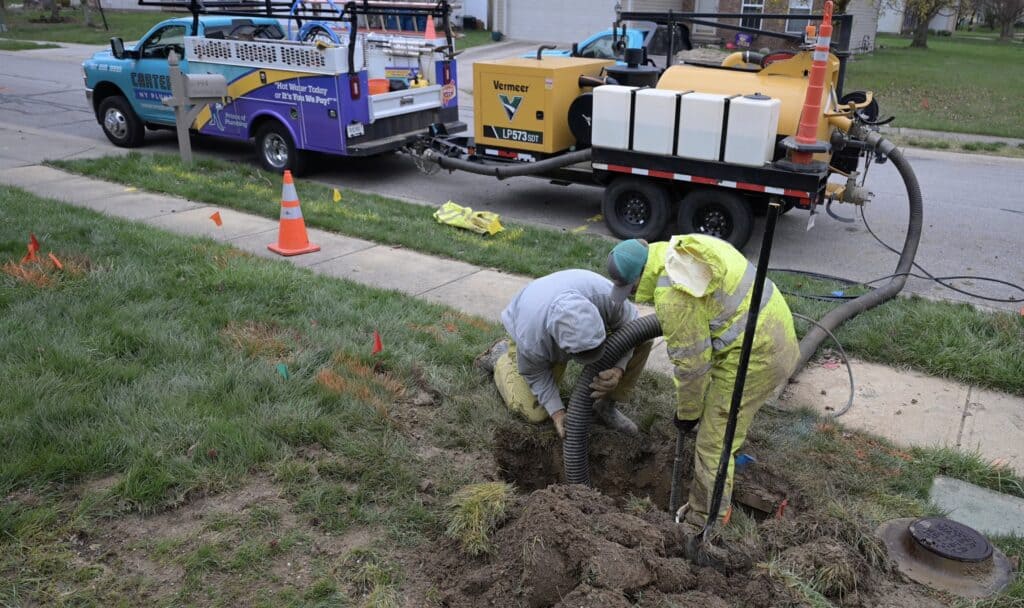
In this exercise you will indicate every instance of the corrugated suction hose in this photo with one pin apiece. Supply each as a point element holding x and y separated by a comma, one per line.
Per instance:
<point>575,450</point>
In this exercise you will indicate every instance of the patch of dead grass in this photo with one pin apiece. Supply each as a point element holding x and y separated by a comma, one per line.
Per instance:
<point>44,272</point>
<point>261,340</point>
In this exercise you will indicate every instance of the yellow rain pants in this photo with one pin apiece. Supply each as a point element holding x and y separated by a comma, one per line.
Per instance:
<point>516,393</point>
<point>481,222</point>
<point>703,320</point>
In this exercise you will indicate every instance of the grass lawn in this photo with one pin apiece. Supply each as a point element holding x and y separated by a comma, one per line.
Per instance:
<point>966,147</point>
<point>154,454</point>
<point>473,38</point>
<point>130,25</point>
<point>939,338</point>
<point>960,84</point>
<point>17,45</point>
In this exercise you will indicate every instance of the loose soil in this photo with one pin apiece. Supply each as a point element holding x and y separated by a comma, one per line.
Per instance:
<point>576,546</point>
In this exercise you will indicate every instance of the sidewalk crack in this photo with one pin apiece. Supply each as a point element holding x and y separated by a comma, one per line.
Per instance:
<point>447,283</point>
<point>963,418</point>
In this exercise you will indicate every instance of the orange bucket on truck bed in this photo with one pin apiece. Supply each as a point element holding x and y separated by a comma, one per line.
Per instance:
<point>379,85</point>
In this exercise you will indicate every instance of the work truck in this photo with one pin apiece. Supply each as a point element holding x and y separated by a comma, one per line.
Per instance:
<point>365,95</point>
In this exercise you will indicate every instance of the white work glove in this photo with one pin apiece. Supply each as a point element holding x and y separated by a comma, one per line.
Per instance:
<point>605,382</point>
<point>558,419</point>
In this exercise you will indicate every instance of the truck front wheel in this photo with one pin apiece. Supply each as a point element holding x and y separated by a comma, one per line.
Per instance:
<point>718,213</point>
<point>120,123</point>
<point>277,150</point>
<point>636,208</point>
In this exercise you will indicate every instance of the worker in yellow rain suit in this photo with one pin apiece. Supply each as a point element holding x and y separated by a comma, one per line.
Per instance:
<point>701,288</point>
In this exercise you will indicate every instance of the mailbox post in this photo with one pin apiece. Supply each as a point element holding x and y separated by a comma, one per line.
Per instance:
<point>189,95</point>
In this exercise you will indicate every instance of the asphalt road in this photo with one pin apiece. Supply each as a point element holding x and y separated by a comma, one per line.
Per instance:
<point>974,205</point>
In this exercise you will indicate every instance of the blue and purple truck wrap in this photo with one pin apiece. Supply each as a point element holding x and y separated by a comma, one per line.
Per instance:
<point>290,96</point>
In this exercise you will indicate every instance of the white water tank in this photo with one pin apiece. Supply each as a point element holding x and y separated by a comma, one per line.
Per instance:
<point>701,116</point>
<point>654,121</point>
<point>612,109</point>
<point>753,125</point>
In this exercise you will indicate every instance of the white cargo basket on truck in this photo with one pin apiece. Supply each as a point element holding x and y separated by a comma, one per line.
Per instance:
<point>280,55</point>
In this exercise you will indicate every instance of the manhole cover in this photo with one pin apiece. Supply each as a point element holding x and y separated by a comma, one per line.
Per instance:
<point>951,540</point>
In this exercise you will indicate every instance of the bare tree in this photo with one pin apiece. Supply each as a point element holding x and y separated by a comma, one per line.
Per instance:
<point>923,11</point>
<point>54,11</point>
<point>1005,14</point>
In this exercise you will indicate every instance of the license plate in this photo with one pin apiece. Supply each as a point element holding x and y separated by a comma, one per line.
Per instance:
<point>519,135</point>
<point>355,129</point>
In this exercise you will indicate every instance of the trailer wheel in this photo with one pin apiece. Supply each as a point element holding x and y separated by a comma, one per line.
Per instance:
<point>277,150</point>
<point>718,213</point>
<point>120,123</point>
<point>636,208</point>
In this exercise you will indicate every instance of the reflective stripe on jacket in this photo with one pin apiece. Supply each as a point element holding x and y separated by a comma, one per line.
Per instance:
<point>702,331</point>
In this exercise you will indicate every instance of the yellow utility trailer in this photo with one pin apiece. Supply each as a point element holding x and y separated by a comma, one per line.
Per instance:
<point>523,104</point>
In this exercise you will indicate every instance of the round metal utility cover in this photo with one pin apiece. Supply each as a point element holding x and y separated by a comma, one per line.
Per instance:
<point>951,540</point>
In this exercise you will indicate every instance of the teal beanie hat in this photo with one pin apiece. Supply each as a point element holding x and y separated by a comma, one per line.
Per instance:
<point>626,261</point>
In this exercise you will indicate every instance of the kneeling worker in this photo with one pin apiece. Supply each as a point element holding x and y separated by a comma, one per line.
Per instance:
<point>561,316</point>
<point>701,288</point>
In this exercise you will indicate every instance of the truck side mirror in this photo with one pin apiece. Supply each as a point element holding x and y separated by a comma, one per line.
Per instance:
<point>117,48</point>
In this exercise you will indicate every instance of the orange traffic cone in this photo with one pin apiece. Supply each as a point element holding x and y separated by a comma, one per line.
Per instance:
<point>430,33</point>
<point>291,237</point>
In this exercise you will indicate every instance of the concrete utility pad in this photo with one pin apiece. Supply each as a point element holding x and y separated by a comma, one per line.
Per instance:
<point>985,510</point>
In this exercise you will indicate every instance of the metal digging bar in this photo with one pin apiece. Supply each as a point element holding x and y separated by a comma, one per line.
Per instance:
<point>725,459</point>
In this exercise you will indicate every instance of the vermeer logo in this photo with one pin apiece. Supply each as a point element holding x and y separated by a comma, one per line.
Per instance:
<point>511,104</point>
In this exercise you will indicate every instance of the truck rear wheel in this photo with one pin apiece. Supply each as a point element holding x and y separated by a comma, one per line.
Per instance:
<point>120,123</point>
<point>636,208</point>
<point>276,149</point>
<point>718,213</point>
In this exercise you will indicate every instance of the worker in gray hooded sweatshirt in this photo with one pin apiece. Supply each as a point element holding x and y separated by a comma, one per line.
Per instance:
<point>557,317</point>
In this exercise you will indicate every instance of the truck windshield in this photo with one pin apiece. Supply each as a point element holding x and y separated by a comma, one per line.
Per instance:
<point>246,31</point>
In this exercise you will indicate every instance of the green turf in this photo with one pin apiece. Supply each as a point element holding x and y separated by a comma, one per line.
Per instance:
<point>473,38</point>
<point>130,25</point>
<point>17,45</point>
<point>143,378</point>
<point>939,338</point>
<point>960,84</point>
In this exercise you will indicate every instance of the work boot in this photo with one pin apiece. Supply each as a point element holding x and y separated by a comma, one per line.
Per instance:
<point>486,360</point>
<point>611,417</point>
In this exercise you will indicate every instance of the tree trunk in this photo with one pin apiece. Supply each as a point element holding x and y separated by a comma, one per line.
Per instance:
<point>920,34</point>
<point>54,11</point>
<point>1007,31</point>
<point>87,12</point>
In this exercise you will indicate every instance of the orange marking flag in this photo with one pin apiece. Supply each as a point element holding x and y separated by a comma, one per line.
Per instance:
<point>33,248</point>
<point>378,344</point>
<point>216,219</point>
<point>55,261</point>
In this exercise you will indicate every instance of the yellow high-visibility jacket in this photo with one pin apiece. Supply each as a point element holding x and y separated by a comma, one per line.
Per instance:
<point>701,288</point>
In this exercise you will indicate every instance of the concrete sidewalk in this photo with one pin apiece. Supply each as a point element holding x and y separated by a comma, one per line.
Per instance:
<point>906,407</point>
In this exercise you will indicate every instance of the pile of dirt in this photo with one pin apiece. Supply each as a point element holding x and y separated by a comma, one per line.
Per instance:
<point>574,546</point>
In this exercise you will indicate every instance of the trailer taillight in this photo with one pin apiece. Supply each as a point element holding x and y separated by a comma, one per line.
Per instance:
<point>353,86</point>
<point>447,72</point>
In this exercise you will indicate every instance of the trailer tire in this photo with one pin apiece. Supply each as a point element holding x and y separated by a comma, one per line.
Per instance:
<point>636,208</point>
<point>276,149</point>
<point>120,123</point>
<point>719,213</point>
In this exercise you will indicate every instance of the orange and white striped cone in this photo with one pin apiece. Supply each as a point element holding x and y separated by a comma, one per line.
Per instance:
<point>805,144</point>
<point>430,33</point>
<point>291,236</point>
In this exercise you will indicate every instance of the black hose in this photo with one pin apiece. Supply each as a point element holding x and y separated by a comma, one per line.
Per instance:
<point>817,334</point>
<point>507,170</point>
<point>576,448</point>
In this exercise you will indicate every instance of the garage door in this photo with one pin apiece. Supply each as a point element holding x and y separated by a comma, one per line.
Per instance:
<point>562,21</point>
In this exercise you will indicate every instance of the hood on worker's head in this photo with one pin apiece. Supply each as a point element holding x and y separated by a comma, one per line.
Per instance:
<point>686,268</point>
<point>625,265</point>
<point>575,324</point>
